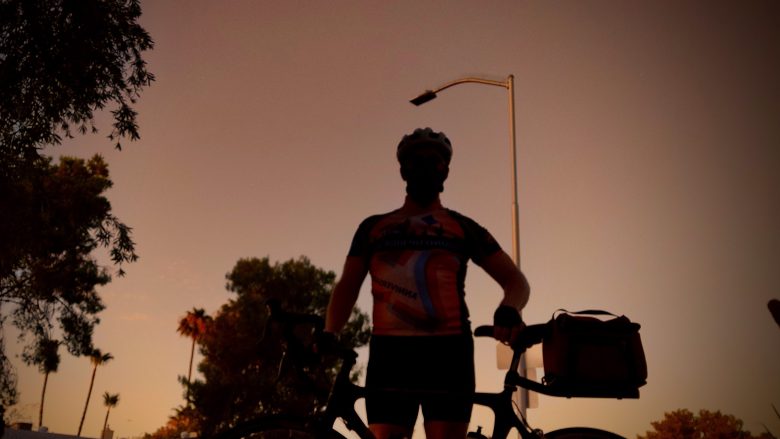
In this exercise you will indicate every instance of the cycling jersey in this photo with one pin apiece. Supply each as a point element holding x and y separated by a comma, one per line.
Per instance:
<point>418,265</point>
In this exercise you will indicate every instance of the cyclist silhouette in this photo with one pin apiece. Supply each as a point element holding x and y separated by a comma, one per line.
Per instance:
<point>421,336</point>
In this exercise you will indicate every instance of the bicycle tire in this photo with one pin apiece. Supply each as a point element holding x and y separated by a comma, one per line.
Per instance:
<point>581,433</point>
<point>275,428</point>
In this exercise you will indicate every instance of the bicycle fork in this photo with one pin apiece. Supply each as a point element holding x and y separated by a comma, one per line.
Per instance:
<point>342,398</point>
<point>505,417</point>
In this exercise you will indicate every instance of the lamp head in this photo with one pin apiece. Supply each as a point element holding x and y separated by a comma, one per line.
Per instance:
<point>423,98</point>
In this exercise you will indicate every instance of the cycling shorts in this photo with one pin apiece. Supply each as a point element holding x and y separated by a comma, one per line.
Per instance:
<point>401,369</point>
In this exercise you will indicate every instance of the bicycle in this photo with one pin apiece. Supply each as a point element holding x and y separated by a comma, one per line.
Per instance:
<point>344,394</point>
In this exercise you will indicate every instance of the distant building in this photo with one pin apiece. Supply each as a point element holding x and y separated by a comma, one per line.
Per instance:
<point>22,430</point>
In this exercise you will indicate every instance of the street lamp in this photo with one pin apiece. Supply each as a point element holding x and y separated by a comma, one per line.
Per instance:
<point>429,95</point>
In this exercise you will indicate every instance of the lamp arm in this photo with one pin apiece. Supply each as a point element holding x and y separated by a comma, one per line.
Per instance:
<point>472,79</point>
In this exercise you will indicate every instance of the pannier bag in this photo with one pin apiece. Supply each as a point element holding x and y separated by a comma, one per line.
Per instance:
<point>585,356</point>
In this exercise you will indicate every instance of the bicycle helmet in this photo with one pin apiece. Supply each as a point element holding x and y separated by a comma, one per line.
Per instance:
<point>424,137</point>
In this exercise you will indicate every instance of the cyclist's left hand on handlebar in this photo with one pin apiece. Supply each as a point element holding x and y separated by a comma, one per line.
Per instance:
<point>326,342</point>
<point>507,324</point>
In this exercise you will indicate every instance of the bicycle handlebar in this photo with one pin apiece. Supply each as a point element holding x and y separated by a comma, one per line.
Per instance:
<point>322,344</point>
<point>529,336</point>
<point>280,315</point>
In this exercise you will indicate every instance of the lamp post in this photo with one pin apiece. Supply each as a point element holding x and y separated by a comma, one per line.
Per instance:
<point>429,95</point>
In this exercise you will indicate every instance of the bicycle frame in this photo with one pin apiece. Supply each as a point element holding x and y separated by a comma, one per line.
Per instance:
<point>505,417</point>
<point>344,394</point>
<point>341,402</point>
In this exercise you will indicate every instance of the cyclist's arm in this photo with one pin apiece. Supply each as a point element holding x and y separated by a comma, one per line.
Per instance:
<point>345,293</point>
<point>516,289</point>
<point>504,271</point>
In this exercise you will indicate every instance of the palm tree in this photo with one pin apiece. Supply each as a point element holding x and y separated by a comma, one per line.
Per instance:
<point>109,401</point>
<point>193,325</point>
<point>97,358</point>
<point>48,360</point>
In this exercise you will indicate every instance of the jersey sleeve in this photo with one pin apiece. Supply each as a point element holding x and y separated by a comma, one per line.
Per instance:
<point>479,242</point>
<point>361,242</point>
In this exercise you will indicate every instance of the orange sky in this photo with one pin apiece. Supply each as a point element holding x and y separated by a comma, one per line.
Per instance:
<point>648,135</point>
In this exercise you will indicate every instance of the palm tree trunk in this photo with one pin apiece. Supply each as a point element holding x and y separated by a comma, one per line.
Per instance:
<point>43,396</point>
<point>105,423</point>
<point>189,374</point>
<point>84,415</point>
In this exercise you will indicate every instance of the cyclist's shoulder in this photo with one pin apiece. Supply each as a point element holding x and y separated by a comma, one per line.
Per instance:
<point>402,216</point>
<point>475,232</point>
<point>455,213</point>
<point>373,219</point>
<point>461,218</point>
<point>368,223</point>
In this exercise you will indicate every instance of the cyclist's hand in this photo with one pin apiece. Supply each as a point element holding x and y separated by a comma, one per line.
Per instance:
<point>326,342</point>
<point>507,324</point>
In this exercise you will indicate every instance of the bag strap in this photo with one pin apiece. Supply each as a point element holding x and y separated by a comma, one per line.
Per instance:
<point>593,312</point>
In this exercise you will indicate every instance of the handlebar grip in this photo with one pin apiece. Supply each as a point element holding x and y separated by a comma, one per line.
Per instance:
<point>278,314</point>
<point>324,343</point>
<point>529,336</point>
<point>483,331</point>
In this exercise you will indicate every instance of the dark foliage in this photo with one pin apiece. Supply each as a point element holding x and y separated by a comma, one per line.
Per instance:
<point>52,222</point>
<point>242,355</point>
<point>44,354</point>
<point>60,61</point>
<point>683,424</point>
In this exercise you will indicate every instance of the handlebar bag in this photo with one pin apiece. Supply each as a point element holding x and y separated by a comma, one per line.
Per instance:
<point>586,356</point>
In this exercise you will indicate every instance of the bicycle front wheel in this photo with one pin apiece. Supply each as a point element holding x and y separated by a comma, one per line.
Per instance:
<point>276,428</point>
<point>581,433</point>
